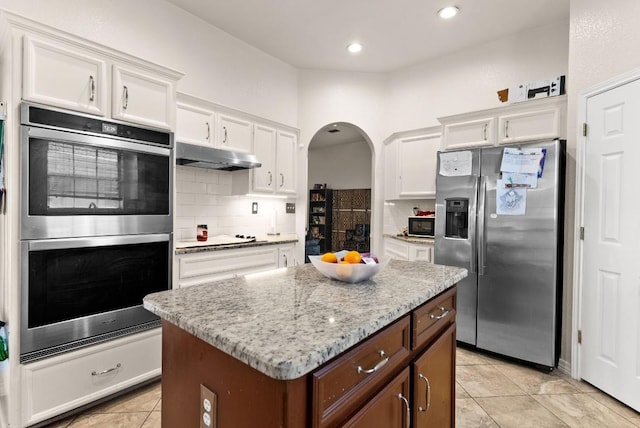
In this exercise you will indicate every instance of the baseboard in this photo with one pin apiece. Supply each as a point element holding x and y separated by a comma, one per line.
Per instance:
<point>564,367</point>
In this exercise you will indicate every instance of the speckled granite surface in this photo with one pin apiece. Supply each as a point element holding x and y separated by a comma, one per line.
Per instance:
<point>285,323</point>
<point>186,247</point>
<point>412,239</point>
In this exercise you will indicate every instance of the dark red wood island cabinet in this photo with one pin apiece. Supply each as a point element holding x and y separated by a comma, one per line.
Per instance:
<point>402,376</point>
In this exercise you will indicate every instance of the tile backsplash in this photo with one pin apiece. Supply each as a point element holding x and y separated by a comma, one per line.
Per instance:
<point>203,196</point>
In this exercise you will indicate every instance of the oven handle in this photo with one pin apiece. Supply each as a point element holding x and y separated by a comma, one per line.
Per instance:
<point>93,140</point>
<point>97,241</point>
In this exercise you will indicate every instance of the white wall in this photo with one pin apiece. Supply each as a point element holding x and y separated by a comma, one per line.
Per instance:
<point>604,43</point>
<point>396,213</point>
<point>356,98</point>
<point>341,166</point>
<point>217,66</point>
<point>469,79</point>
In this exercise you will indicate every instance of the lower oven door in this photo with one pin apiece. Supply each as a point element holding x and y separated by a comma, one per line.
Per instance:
<point>75,292</point>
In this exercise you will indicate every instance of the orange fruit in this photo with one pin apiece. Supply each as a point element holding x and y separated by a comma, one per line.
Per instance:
<point>329,258</point>
<point>343,270</point>
<point>353,257</point>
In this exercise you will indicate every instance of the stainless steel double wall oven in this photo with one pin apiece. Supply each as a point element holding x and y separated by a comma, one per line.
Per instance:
<point>96,228</point>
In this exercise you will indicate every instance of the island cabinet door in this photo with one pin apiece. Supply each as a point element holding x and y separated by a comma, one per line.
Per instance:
<point>389,408</point>
<point>434,383</point>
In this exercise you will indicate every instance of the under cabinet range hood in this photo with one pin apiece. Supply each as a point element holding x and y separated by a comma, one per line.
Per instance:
<point>212,158</point>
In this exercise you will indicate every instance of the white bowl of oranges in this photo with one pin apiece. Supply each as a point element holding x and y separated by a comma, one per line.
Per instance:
<point>348,266</point>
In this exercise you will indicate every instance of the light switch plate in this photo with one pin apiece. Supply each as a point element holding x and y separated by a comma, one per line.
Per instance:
<point>254,208</point>
<point>290,208</point>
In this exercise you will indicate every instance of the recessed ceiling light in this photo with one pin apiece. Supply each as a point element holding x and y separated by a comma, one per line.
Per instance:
<point>354,47</point>
<point>448,12</point>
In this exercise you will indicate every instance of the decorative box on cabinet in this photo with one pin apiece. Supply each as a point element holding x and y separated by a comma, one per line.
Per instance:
<point>410,164</point>
<point>80,76</point>
<point>533,120</point>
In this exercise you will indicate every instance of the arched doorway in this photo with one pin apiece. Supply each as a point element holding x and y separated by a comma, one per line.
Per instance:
<point>339,200</point>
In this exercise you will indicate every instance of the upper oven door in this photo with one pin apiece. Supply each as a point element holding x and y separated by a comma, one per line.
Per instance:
<point>76,185</point>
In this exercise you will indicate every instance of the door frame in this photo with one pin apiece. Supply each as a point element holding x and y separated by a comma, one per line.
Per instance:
<point>578,250</point>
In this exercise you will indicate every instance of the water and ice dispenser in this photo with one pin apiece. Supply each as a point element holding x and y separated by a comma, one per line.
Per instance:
<point>457,218</point>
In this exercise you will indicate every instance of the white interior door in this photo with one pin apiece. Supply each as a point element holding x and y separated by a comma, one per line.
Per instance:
<point>610,310</point>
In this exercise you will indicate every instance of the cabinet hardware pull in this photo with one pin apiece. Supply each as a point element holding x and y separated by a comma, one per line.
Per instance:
<point>208,131</point>
<point>378,366</point>
<point>126,97</point>
<point>444,313</point>
<point>406,402</point>
<point>281,179</point>
<point>103,372</point>
<point>506,129</point>
<point>224,140</point>
<point>428,397</point>
<point>92,89</point>
<point>484,132</point>
<point>270,178</point>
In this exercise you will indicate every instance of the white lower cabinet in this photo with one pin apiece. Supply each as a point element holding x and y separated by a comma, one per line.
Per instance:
<point>208,266</point>
<point>65,382</point>
<point>402,250</point>
<point>286,256</point>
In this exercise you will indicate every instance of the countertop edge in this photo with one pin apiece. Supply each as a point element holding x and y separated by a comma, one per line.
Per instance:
<point>205,248</point>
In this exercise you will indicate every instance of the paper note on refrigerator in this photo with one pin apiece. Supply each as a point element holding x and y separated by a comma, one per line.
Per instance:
<point>455,163</point>
<point>525,161</point>
<point>517,180</point>
<point>510,200</point>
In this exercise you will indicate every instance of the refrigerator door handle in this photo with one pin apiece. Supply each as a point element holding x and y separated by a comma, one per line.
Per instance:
<point>473,223</point>
<point>481,229</point>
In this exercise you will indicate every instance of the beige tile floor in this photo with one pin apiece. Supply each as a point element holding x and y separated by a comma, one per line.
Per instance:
<point>490,392</point>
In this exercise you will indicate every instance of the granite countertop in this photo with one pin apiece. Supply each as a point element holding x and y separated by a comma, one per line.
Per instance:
<point>193,246</point>
<point>411,239</point>
<point>287,322</point>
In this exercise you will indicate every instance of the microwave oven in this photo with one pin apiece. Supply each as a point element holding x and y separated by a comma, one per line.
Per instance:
<point>422,226</point>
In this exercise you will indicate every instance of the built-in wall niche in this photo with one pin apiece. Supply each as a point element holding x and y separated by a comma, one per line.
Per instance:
<point>351,225</point>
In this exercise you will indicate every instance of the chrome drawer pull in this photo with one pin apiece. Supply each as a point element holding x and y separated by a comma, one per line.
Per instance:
<point>92,86</point>
<point>424,409</point>
<point>444,313</point>
<point>103,372</point>
<point>378,366</point>
<point>125,91</point>
<point>404,400</point>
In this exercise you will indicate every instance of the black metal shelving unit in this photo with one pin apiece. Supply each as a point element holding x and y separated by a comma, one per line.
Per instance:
<point>319,221</point>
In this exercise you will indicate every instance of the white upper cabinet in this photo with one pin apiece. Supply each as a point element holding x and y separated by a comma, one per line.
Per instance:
<point>264,147</point>
<point>286,163</point>
<point>56,75</point>
<point>276,151</point>
<point>194,125</point>
<point>410,164</point>
<point>533,120</point>
<point>77,75</point>
<point>142,97</point>
<point>234,133</point>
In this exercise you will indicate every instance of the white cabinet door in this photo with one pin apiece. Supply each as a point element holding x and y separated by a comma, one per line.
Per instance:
<point>194,125</point>
<point>234,133</point>
<point>286,163</point>
<point>471,133</point>
<point>417,160</point>
<point>396,249</point>
<point>142,98</point>
<point>421,252</point>
<point>529,125</point>
<point>264,147</point>
<point>391,176</point>
<point>286,256</point>
<point>57,75</point>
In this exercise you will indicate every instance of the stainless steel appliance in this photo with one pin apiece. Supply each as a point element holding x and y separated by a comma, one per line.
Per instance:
<point>510,303</point>
<point>96,228</point>
<point>421,226</point>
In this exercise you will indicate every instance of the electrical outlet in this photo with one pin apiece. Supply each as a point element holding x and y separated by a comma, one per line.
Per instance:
<point>254,208</point>
<point>290,208</point>
<point>208,407</point>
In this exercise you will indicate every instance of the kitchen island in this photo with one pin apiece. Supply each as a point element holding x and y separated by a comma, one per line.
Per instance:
<point>292,348</point>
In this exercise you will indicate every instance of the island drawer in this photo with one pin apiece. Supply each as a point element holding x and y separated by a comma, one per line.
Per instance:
<point>344,384</point>
<point>433,317</point>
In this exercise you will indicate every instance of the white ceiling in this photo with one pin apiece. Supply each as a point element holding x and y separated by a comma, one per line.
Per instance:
<point>313,34</point>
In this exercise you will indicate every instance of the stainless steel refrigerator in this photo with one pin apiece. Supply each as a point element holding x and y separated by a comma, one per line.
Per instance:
<point>510,303</point>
